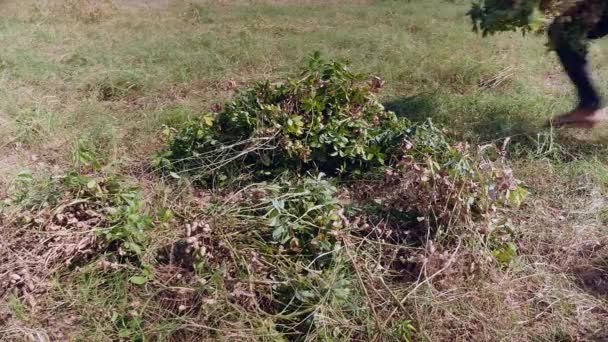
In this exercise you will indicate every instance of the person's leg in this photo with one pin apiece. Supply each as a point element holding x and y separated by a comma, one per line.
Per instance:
<point>576,66</point>
<point>569,35</point>
<point>570,47</point>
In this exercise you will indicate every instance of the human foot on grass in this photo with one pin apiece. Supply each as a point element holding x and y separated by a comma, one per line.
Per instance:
<point>580,118</point>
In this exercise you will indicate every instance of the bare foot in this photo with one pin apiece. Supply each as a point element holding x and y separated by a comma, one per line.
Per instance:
<point>580,118</point>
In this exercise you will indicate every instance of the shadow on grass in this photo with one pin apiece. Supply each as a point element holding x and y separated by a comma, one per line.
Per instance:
<point>492,119</point>
<point>469,117</point>
<point>416,108</point>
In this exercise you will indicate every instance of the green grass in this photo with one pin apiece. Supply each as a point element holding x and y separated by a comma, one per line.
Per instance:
<point>118,72</point>
<point>127,69</point>
<point>92,87</point>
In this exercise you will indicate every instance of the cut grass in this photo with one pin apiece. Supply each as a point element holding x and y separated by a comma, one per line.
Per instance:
<point>93,86</point>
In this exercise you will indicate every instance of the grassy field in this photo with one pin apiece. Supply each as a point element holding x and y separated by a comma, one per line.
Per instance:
<point>88,89</point>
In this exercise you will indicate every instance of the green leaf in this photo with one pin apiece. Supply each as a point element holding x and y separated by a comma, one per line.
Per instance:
<point>342,293</point>
<point>133,246</point>
<point>278,233</point>
<point>138,280</point>
<point>91,184</point>
<point>25,176</point>
<point>124,333</point>
<point>517,197</point>
<point>305,295</point>
<point>505,253</point>
<point>274,220</point>
<point>208,119</point>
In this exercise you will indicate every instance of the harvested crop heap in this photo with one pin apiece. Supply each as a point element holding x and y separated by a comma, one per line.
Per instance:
<point>327,241</point>
<point>329,120</point>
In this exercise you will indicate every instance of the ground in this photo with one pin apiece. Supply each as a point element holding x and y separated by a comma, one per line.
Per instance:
<point>105,78</point>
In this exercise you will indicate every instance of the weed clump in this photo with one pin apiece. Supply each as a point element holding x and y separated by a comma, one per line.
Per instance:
<point>324,245</point>
<point>301,217</point>
<point>116,86</point>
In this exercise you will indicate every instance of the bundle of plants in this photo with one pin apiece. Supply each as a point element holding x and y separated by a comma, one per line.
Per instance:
<point>66,222</point>
<point>299,218</point>
<point>442,183</point>
<point>329,119</point>
<point>286,238</point>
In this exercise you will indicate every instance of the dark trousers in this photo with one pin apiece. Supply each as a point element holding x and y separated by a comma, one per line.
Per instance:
<point>569,39</point>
